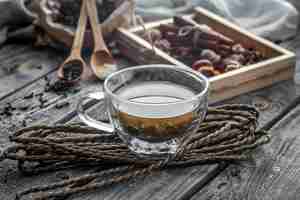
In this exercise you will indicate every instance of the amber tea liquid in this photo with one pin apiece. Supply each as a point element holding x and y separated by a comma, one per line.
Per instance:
<point>157,119</point>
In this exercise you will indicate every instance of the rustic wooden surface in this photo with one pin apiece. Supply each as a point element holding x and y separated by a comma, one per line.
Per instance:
<point>170,184</point>
<point>273,172</point>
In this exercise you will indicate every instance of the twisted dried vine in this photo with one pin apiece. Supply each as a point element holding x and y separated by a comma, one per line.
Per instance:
<point>227,134</point>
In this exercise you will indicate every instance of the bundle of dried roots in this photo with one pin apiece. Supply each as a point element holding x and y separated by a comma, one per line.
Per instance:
<point>227,134</point>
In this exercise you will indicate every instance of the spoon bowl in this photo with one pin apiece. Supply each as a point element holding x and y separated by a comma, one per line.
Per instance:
<point>75,74</point>
<point>102,64</point>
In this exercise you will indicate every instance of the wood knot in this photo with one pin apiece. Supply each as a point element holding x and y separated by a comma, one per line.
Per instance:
<point>262,104</point>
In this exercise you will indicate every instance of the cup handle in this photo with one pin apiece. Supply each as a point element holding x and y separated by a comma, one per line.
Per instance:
<point>89,120</point>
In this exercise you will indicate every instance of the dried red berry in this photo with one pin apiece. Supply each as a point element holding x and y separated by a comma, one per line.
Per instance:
<point>231,64</point>
<point>183,51</point>
<point>163,45</point>
<point>210,55</point>
<point>207,71</point>
<point>238,57</point>
<point>201,63</point>
<point>238,48</point>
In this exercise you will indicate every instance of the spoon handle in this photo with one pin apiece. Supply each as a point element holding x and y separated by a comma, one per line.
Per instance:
<point>96,27</point>
<point>80,31</point>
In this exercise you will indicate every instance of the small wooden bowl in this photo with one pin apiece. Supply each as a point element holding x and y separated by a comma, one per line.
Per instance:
<point>121,17</point>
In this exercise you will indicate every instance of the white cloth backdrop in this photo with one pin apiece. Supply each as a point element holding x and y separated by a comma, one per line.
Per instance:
<point>272,19</point>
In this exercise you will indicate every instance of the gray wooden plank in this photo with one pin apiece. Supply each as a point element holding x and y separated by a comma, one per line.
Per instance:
<point>214,190</point>
<point>23,64</point>
<point>11,180</point>
<point>272,174</point>
<point>183,183</point>
<point>170,184</point>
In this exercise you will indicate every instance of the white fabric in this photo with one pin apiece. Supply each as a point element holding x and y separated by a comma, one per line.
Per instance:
<point>272,19</point>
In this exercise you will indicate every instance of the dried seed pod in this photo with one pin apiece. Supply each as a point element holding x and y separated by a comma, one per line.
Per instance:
<point>231,64</point>
<point>207,71</point>
<point>238,49</point>
<point>211,56</point>
<point>185,31</point>
<point>232,67</point>
<point>163,45</point>
<point>201,63</point>
<point>238,57</point>
<point>183,51</point>
<point>208,33</point>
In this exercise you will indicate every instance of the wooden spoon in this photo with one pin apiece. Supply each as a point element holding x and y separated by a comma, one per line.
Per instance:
<point>102,62</point>
<point>75,57</point>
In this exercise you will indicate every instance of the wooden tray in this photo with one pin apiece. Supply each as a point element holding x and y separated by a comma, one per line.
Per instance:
<point>279,66</point>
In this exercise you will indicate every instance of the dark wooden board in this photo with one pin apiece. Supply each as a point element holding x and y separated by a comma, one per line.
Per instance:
<point>11,181</point>
<point>273,173</point>
<point>23,64</point>
<point>183,183</point>
<point>215,189</point>
<point>170,184</point>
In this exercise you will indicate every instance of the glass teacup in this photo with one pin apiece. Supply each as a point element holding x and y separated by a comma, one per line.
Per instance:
<point>151,107</point>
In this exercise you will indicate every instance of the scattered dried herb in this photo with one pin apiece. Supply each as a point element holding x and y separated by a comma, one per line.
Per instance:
<point>7,110</point>
<point>62,104</point>
<point>23,105</point>
<point>72,71</point>
<point>29,96</point>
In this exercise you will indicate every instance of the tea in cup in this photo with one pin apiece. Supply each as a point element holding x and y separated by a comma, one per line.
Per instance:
<point>151,107</point>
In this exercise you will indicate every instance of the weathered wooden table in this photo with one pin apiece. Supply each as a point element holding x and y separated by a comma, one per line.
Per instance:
<point>274,173</point>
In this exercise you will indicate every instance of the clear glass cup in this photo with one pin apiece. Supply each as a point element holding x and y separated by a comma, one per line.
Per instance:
<point>150,107</point>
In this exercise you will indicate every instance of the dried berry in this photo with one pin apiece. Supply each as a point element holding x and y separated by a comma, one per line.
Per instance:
<point>183,51</point>
<point>163,45</point>
<point>238,48</point>
<point>238,57</point>
<point>210,55</point>
<point>203,47</point>
<point>231,65</point>
<point>207,71</point>
<point>201,63</point>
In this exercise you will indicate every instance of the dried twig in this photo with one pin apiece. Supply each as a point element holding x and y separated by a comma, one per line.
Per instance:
<point>227,134</point>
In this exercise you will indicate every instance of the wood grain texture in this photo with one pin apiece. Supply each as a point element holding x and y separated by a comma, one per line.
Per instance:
<point>272,174</point>
<point>23,64</point>
<point>171,184</point>
<point>11,180</point>
<point>231,183</point>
